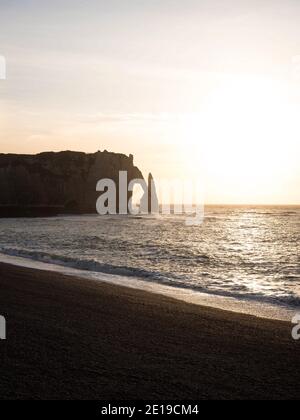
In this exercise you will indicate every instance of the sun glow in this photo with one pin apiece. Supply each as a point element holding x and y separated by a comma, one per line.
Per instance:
<point>244,140</point>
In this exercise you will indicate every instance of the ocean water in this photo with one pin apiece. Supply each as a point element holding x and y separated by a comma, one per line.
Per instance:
<point>245,253</point>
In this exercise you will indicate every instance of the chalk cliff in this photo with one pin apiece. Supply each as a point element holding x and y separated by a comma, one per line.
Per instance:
<point>52,183</point>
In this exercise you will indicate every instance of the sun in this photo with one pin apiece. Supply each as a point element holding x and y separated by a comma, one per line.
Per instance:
<point>241,139</point>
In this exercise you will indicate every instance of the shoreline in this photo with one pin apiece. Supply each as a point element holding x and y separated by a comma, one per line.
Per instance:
<point>260,309</point>
<point>72,338</point>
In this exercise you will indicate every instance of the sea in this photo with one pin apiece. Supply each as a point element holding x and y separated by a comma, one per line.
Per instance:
<point>242,258</point>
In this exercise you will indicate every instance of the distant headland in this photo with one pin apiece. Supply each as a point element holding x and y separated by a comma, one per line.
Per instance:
<point>52,183</point>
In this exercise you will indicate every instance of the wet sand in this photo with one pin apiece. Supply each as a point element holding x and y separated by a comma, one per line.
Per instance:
<point>69,338</point>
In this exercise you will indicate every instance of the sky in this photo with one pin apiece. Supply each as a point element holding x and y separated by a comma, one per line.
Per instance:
<point>202,89</point>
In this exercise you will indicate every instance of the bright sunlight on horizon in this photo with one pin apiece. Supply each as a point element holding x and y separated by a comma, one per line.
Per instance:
<point>202,89</point>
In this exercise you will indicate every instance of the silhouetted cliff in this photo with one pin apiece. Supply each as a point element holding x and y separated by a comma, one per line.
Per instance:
<point>52,183</point>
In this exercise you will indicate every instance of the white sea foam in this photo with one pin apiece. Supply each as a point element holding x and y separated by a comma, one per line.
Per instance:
<point>254,308</point>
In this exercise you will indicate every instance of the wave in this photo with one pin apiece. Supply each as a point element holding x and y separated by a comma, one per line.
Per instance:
<point>151,276</point>
<point>81,264</point>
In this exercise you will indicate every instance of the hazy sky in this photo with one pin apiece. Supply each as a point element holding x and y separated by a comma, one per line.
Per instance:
<point>207,88</point>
